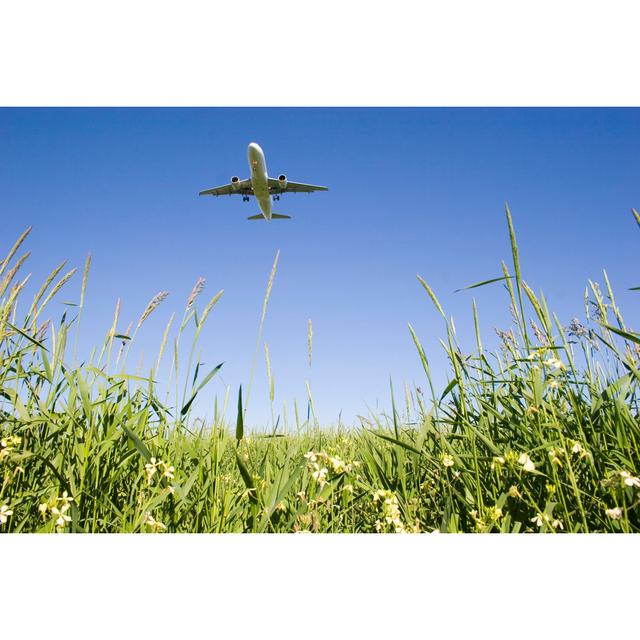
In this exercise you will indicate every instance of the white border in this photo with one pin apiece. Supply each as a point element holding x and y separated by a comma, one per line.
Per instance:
<point>460,52</point>
<point>319,586</point>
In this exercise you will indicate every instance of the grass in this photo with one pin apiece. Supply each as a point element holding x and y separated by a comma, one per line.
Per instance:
<point>541,436</point>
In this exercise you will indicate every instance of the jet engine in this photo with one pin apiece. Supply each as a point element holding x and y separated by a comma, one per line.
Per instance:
<point>282,181</point>
<point>235,182</point>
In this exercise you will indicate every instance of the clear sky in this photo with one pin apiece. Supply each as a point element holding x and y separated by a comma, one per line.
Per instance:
<point>412,191</point>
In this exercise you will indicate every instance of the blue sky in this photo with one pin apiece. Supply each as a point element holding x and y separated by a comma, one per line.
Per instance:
<point>412,191</point>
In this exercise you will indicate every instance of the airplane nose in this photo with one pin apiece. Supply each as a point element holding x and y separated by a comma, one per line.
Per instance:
<point>254,147</point>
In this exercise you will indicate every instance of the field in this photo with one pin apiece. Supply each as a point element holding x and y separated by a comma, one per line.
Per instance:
<point>541,436</point>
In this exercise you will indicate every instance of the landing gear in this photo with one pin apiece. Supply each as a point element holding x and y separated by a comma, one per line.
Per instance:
<point>276,198</point>
<point>245,198</point>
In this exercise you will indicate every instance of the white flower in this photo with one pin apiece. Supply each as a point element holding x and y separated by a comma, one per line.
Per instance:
<point>150,468</point>
<point>447,460</point>
<point>629,480</point>
<point>614,513</point>
<point>555,363</point>
<point>155,525</point>
<point>514,492</point>
<point>525,461</point>
<point>497,461</point>
<point>320,474</point>
<point>5,513</point>
<point>311,456</point>
<point>63,518</point>
<point>168,470</point>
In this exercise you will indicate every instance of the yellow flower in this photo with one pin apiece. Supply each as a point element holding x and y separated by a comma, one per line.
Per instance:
<point>553,456</point>
<point>514,492</point>
<point>447,460</point>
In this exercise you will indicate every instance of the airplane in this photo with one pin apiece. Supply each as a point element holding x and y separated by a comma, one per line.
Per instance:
<point>261,186</point>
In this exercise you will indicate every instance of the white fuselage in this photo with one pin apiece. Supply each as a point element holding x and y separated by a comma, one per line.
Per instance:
<point>259,178</point>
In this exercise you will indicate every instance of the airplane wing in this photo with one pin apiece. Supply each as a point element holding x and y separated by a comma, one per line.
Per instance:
<point>293,187</point>
<point>242,187</point>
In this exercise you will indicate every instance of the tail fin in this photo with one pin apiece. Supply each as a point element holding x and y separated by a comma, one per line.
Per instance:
<point>273,216</point>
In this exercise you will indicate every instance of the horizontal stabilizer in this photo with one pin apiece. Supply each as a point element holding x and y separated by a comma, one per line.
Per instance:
<point>273,216</point>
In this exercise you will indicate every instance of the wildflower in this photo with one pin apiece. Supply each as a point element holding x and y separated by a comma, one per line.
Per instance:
<point>168,470</point>
<point>479,522</point>
<point>8,444</point>
<point>339,466</point>
<point>151,468</point>
<point>541,519</point>
<point>152,523</point>
<point>348,488</point>
<point>320,474</point>
<point>555,363</point>
<point>154,465</point>
<point>551,488</point>
<point>5,513</point>
<point>447,460</point>
<point>554,457</point>
<point>495,513</point>
<point>557,524</point>
<point>629,480</point>
<point>525,461</point>
<point>311,456</point>
<point>62,517</point>
<point>579,450</point>
<point>65,498</point>
<point>497,462</point>
<point>553,384</point>
<point>614,513</point>
<point>538,519</point>
<point>514,492</point>
<point>42,508</point>
<point>390,511</point>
